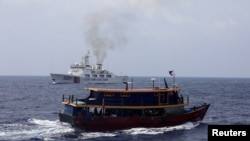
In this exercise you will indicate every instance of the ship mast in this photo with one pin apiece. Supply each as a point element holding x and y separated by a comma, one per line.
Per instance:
<point>173,74</point>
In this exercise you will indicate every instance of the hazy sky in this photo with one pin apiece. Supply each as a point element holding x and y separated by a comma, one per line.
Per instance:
<point>136,37</point>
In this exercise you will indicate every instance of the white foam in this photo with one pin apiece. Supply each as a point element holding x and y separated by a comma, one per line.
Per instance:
<point>47,123</point>
<point>136,131</point>
<point>47,129</point>
<point>153,131</point>
<point>90,135</point>
<point>43,129</point>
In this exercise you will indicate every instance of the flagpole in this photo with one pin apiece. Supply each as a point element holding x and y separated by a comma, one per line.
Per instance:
<point>172,74</point>
<point>174,80</point>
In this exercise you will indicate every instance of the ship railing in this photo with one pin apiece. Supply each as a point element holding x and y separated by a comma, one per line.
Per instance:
<point>118,102</point>
<point>72,99</point>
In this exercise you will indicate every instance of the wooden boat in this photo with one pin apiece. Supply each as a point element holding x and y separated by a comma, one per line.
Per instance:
<point>115,109</point>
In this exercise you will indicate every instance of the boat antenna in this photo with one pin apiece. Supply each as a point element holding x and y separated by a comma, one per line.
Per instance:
<point>166,84</point>
<point>132,83</point>
<point>126,83</point>
<point>153,80</point>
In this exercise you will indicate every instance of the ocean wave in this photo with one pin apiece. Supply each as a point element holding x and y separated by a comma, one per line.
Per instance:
<point>40,129</point>
<point>154,131</point>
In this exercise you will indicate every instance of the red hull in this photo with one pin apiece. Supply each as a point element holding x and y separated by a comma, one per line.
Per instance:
<point>97,123</point>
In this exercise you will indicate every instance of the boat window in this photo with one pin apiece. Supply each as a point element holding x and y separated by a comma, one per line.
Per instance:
<point>125,94</point>
<point>170,93</point>
<point>156,93</point>
<point>101,75</point>
<point>109,94</point>
<point>95,94</point>
<point>87,75</point>
<point>166,98</point>
<point>94,75</point>
<point>108,75</point>
<point>92,71</point>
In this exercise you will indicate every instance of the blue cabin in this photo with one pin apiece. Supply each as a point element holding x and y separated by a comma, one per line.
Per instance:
<point>131,97</point>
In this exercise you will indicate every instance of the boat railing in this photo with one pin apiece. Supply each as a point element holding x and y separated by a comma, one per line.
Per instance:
<point>117,102</point>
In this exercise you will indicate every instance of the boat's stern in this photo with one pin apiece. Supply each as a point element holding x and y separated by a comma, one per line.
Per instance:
<point>70,114</point>
<point>66,118</point>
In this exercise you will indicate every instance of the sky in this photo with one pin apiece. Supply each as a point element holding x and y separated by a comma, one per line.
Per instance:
<point>194,38</point>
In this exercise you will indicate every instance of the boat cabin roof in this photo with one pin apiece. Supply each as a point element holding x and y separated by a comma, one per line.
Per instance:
<point>133,90</point>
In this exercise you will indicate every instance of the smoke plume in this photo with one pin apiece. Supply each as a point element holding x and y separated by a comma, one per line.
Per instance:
<point>104,28</point>
<point>104,32</point>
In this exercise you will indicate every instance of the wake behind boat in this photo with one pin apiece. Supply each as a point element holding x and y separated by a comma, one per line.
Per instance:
<point>107,109</point>
<point>84,72</point>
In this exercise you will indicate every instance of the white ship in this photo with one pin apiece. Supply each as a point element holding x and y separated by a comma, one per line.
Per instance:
<point>84,72</point>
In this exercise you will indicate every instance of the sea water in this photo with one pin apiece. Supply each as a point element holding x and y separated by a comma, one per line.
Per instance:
<point>29,107</point>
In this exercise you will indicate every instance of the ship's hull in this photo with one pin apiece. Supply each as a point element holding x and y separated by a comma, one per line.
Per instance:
<point>102,123</point>
<point>64,78</point>
<point>70,79</point>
